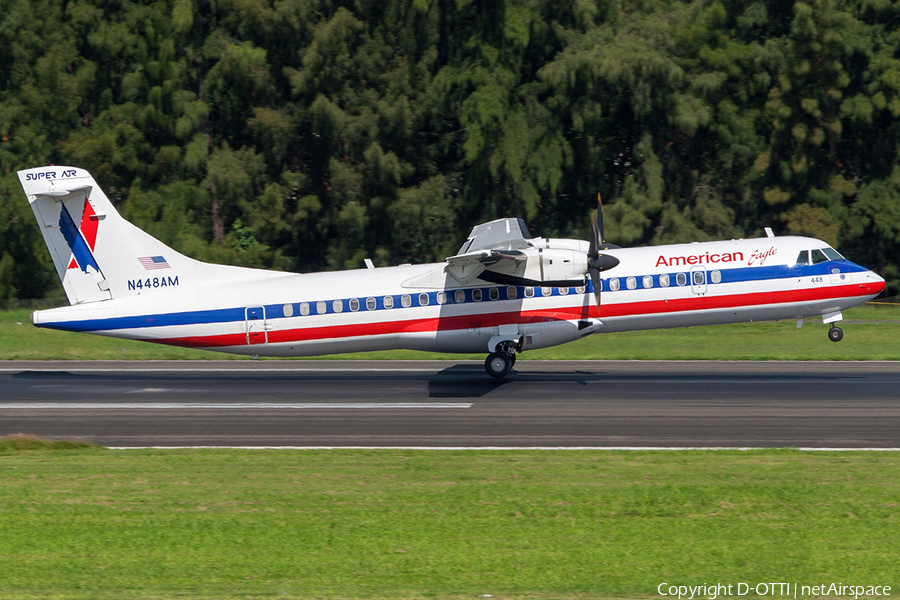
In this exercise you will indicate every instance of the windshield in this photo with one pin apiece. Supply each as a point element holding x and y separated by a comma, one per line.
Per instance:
<point>832,254</point>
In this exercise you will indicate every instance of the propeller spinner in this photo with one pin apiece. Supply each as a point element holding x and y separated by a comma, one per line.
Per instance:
<point>599,262</point>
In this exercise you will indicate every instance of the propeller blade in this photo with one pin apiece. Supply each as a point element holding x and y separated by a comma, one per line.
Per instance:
<point>594,248</point>
<point>596,284</point>
<point>599,223</point>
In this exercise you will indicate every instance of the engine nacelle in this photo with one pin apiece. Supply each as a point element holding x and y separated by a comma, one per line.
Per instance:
<point>561,266</point>
<point>558,243</point>
<point>555,264</point>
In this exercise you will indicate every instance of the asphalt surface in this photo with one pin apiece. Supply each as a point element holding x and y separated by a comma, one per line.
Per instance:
<point>441,404</point>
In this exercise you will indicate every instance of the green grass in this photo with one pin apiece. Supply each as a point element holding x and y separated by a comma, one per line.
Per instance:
<point>874,340</point>
<point>97,523</point>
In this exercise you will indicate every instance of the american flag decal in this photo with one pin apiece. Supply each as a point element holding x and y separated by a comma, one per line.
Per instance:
<point>153,262</point>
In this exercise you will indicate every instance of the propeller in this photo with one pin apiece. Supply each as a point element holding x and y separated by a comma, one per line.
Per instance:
<point>599,262</point>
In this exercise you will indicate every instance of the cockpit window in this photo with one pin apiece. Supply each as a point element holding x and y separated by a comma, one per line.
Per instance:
<point>803,259</point>
<point>818,257</point>
<point>832,254</point>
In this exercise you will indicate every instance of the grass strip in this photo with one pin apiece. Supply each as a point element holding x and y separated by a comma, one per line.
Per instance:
<point>98,523</point>
<point>19,442</point>
<point>870,333</point>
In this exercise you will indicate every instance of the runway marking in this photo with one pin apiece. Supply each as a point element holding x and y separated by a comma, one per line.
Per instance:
<point>63,369</point>
<point>228,405</point>
<point>502,448</point>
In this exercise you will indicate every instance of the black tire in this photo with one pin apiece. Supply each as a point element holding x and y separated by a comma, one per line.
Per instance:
<point>835,334</point>
<point>498,364</point>
<point>512,359</point>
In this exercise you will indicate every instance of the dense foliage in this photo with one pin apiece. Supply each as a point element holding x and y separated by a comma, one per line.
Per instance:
<point>309,134</point>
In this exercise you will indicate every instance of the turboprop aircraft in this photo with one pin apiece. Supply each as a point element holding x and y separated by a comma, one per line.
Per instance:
<point>503,292</point>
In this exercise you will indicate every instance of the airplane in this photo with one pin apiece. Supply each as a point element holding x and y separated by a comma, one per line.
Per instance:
<point>504,292</point>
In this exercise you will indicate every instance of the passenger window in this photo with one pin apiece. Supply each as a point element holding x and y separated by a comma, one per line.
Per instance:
<point>563,291</point>
<point>405,301</point>
<point>699,277</point>
<point>648,281</point>
<point>354,304</point>
<point>476,295</point>
<point>803,258</point>
<point>631,283</point>
<point>460,296</point>
<point>681,279</point>
<point>529,292</point>
<point>546,291</point>
<point>304,308</point>
<point>613,284</point>
<point>664,280</point>
<point>337,306</point>
<point>818,257</point>
<point>423,299</point>
<point>441,298</point>
<point>370,304</point>
<point>321,308</point>
<point>715,276</point>
<point>511,293</point>
<point>495,294</point>
<point>288,310</point>
<point>579,289</point>
<point>389,302</point>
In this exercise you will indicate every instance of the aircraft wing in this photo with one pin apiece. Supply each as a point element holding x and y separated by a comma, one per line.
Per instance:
<point>498,245</point>
<point>466,267</point>
<point>486,257</point>
<point>502,234</point>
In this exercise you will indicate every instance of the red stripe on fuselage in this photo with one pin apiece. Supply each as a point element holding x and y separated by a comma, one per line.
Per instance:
<point>622,309</point>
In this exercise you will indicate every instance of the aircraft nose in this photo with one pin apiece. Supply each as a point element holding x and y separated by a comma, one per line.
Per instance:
<point>877,285</point>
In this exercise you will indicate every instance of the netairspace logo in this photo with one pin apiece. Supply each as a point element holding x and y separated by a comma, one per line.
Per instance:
<point>779,589</point>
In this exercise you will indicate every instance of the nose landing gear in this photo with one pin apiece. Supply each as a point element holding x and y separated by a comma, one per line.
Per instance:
<point>835,334</point>
<point>501,360</point>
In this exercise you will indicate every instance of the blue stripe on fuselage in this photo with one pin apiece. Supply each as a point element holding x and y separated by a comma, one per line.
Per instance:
<point>198,317</point>
<point>788,271</point>
<point>745,274</point>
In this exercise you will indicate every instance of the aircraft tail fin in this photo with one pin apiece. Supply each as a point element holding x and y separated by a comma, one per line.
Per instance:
<point>98,255</point>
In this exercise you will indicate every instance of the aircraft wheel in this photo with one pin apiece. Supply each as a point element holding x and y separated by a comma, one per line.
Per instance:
<point>512,360</point>
<point>835,334</point>
<point>498,364</point>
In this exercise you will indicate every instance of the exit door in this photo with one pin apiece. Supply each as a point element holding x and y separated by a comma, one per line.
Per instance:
<point>698,280</point>
<point>256,325</point>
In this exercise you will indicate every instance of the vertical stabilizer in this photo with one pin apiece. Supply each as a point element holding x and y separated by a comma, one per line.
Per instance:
<point>98,255</point>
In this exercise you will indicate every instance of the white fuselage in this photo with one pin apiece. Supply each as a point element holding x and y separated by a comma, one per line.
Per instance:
<point>422,307</point>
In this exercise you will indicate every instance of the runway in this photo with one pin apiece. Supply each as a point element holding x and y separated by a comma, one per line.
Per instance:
<point>444,404</point>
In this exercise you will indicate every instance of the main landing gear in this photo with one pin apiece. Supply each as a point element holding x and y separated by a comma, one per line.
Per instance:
<point>501,361</point>
<point>835,334</point>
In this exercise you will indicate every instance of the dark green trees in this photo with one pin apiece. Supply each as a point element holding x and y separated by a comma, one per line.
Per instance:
<point>310,134</point>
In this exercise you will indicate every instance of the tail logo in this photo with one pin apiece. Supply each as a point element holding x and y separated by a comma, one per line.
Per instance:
<point>81,240</point>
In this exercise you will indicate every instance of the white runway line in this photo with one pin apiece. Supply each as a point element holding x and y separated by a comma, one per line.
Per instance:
<point>63,369</point>
<point>503,448</point>
<point>228,405</point>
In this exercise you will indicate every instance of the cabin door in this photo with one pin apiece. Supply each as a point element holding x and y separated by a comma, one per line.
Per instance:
<point>256,325</point>
<point>698,280</point>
